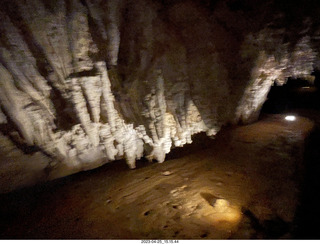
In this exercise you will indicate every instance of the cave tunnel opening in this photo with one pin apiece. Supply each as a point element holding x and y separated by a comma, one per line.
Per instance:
<point>295,94</point>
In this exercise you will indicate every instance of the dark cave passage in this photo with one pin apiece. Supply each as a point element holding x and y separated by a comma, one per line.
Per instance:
<point>295,94</point>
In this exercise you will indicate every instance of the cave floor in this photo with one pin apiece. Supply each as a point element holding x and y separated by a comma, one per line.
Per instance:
<point>244,184</point>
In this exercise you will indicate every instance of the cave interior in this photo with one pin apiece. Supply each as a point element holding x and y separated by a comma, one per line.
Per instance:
<point>156,119</point>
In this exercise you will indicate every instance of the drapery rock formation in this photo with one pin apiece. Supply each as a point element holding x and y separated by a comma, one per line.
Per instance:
<point>86,82</point>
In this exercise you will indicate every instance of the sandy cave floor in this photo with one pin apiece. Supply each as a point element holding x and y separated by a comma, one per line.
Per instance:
<point>244,184</point>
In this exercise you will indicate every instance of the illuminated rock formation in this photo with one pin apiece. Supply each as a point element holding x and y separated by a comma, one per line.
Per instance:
<point>88,82</point>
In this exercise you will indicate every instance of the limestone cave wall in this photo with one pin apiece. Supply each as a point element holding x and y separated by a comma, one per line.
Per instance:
<point>87,82</point>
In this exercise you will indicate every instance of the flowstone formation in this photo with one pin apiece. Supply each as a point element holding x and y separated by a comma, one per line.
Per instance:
<point>86,82</point>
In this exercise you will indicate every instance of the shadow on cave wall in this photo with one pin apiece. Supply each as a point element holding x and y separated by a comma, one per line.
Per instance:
<point>308,213</point>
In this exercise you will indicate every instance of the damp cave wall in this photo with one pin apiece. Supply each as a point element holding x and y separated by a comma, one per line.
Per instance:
<point>87,82</point>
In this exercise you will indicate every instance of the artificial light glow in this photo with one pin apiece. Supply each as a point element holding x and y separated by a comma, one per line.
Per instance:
<point>290,118</point>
